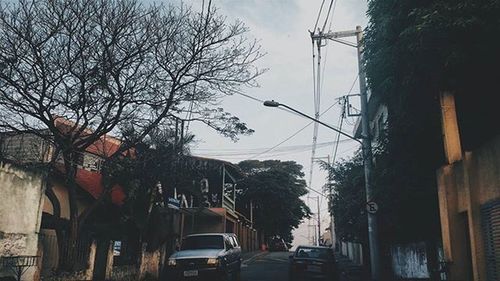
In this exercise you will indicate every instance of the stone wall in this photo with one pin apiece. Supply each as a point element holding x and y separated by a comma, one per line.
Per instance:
<point>150,263</point>
<point>21,201</point>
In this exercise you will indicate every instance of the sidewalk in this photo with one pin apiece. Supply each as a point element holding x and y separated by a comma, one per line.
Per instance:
<point>348,270</point>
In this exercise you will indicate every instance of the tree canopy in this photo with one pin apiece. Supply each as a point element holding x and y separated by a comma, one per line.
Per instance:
<point>414,50</point>
<point>348,198</point>
<point>274,188</point>
<point>72,71</point>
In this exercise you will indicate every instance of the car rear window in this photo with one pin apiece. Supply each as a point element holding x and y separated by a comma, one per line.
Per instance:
<point>203,242</point>
<point>314,253</point>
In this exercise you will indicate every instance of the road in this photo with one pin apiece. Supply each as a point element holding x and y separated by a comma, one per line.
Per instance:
<point>267,267</point>
<point>273,267</point>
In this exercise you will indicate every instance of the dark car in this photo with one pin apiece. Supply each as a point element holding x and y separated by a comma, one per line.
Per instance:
<point>213,256</point>
<point>310,262</point>
<point>277,245</point>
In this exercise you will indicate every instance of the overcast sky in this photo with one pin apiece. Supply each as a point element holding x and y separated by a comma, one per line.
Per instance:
<point>282,28</point>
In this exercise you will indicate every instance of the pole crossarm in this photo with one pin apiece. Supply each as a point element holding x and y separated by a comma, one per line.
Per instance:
<point>335,36</point>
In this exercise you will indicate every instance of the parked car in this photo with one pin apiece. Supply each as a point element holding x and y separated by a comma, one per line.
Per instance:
<point>313,262</point>
<point>277,244</point>
<point>211,256</point>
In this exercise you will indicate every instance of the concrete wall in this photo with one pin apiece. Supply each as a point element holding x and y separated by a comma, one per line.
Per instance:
<point>203,224</point>
<point>354,251</point>
<point>464,186</point>
<point>410,261</point>
<point>21,197</point>
<point>148,265</point>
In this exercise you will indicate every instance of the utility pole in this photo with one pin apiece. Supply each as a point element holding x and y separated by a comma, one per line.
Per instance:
<point>366,139</point>
<point>367,160</point>
<point>319,223</point>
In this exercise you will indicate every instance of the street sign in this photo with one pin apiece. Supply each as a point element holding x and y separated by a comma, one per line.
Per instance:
<point>371,207</point>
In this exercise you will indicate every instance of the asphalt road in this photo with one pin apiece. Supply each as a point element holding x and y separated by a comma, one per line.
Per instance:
<point>267,267</point>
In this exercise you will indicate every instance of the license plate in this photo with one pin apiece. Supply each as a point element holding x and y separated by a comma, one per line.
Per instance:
<point>190,273</point>
<point>314,268</point>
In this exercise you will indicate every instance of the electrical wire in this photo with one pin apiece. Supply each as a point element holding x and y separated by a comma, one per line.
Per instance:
<point>319,15</point>
<point>285,149</point>
<point>191,104</point>
<point>327,15</point>
<point>293,135</point>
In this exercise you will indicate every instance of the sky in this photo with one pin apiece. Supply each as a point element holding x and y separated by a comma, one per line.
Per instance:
<point>281,26</point>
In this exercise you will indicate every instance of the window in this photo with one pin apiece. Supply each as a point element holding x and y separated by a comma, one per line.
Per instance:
<point>490,222</point>
<point>234,241</point>
<point>203,242</point>
<point>314,253</point>
<point>229,244</point>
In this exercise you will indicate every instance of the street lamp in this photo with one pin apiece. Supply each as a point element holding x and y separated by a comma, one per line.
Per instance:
<point>367,163</point>
<point>272,103</point>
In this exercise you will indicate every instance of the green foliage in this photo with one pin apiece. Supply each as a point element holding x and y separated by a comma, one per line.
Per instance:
<point>348,198</point>
<point>414,50</point>
<point>448,43</point>
<point>275,188</point>
<point>138,173</point>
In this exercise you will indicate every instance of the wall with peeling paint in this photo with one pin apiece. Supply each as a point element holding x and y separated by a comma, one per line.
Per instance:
<point>21,202</point>
<point>410,261</point>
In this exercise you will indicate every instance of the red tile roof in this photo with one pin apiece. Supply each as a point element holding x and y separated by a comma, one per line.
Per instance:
<point>92,181</point>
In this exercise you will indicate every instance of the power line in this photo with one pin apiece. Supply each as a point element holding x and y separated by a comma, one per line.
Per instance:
<point>289,149</point>
<point>319,15</point>
<point>294,134</point>
<point>327,15</point>
<point>342,117</point>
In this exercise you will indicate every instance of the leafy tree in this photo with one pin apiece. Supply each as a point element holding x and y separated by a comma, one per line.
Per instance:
<point>347,202</point>
<point>414,51</point>
<point>274,187</point>
<point>108,66</point>
<point>144,176</point>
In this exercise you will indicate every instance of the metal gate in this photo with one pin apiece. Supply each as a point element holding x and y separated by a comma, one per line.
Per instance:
<point>490,221</point>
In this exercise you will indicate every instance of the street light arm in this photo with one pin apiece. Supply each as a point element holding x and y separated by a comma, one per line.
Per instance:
<point>316,120</point>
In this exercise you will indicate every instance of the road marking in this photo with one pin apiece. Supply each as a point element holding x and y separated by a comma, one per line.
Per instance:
<point>245,262</point>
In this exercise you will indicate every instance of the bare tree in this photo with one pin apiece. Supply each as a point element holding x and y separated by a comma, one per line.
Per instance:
<point>72,71</point>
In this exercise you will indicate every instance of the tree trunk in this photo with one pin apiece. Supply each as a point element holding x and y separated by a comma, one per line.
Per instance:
<point>68,253</point>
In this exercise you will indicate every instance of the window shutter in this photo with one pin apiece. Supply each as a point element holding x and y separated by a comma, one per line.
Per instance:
<point>490,220</point>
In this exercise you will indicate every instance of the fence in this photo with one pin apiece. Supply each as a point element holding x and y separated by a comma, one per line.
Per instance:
<point>50,244</point>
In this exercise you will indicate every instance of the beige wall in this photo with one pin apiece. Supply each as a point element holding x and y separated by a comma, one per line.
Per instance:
<point>21,197</point>
<point>62,196</point>
<point>464,187</point>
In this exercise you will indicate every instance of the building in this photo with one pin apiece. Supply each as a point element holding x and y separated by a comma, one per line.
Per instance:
<point>209,202</point>
<point>199,195</point>
<point>21,192</point>
<point>469,191</point>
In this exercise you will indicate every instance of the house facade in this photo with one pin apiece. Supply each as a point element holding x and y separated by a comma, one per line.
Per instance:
<point>469,200</point>
<point>200,198</point>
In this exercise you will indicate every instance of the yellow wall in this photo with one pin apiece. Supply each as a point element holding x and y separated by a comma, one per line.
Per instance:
<point>62,195</point>
<point>464,187</point>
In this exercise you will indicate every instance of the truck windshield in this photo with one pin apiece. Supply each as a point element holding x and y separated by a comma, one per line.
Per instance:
<point>203,242</point>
